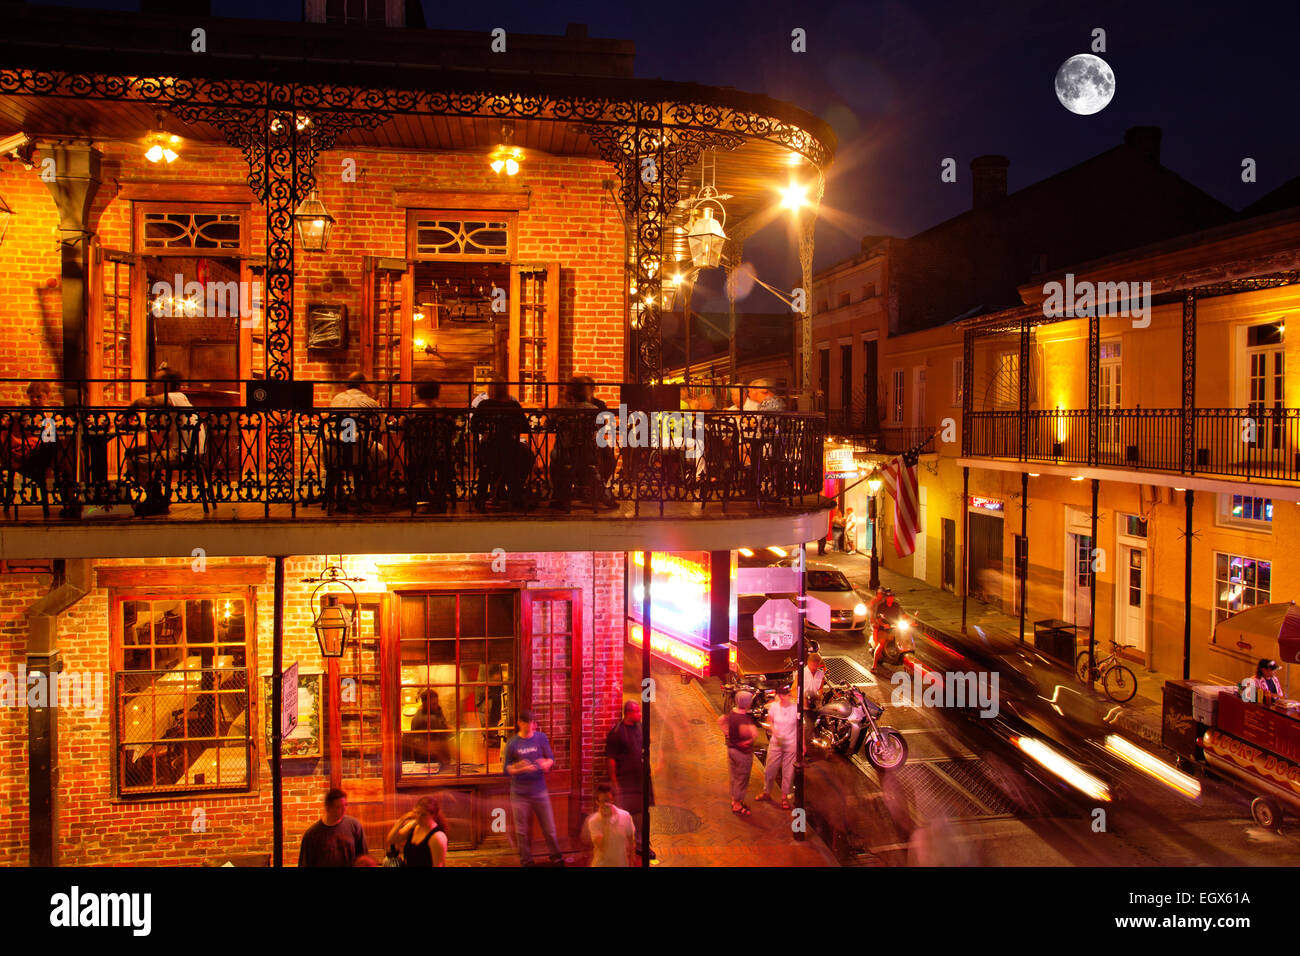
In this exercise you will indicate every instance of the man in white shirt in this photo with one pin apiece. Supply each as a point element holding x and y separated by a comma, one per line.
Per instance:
<point>355,395</point>
<point>814,676</point>
<point>783,735</point>
<point>611,831</point>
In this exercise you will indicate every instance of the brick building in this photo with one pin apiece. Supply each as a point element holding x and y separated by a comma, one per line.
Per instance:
<point>164,556</point>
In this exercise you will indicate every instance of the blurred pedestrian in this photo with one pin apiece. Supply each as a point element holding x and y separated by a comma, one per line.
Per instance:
<point>336,839</point>
<point>527,759</point>
<point>611,830</point>
<point>623,758</point>
<point>740,730</point>
<point>783,735</point>
<point>422,834</point>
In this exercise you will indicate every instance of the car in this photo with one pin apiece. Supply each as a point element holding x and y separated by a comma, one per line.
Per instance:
<point>848,605</point>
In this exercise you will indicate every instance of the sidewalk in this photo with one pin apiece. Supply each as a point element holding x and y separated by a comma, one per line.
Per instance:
<point>942,610</point>
<point>691,823</point>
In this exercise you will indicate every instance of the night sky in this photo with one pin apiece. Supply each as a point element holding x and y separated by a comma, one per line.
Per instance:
<point>907,84</point>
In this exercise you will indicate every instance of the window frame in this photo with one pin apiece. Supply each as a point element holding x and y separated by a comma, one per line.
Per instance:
<point>118,596</point>
<point>1224,518</point>
<point>898,396</point>
<point>509,217</point>
<point>1215,619</point>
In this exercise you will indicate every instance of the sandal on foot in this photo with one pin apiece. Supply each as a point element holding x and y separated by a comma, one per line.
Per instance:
<point>761,797</point>
<point>742,811</point>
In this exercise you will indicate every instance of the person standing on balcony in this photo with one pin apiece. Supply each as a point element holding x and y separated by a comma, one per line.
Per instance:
<point>503,461</point>
<point>527,758</point>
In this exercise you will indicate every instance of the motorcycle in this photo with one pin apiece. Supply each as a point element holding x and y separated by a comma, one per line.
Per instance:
<point>897,638</point>
<point>847,724</point>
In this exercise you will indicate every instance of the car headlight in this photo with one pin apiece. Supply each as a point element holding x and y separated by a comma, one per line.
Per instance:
<point>903,625</point>
<point>859,610</point>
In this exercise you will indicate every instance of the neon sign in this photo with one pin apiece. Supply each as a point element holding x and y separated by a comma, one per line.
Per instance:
<point>683,655</point>
<point>981,503</point>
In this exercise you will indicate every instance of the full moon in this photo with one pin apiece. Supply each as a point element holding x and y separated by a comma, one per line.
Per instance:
<point>1085,84</point>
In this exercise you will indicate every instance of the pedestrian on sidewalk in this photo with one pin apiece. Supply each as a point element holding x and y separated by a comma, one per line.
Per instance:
<point>336,839</point>
<point>837,529</point>
<point>623,759</point>
<point>850,532</point>
<point>741,731</point>
<point>783,735</point>
<point>830,532</point>
<point>422,835</point>
<point>527,758</point>
<point>611,830</point>
<point>814,676</point>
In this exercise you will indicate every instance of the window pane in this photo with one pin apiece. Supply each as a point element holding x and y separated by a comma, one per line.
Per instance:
<point>473,615</point>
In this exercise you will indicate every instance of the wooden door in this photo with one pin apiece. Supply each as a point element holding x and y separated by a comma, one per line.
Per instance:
<point>358,716</point>
<point>535,333</point>
<point>551,671</point>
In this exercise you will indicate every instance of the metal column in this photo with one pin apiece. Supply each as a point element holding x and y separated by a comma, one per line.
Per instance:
<point>1188,499</point>
<point>646,701</point>
<point>277,695</point>
<point>965,542</point>
<point>1024,543</point>
<point>1092,578</point>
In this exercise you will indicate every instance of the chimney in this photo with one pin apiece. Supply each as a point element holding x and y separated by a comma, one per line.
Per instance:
<point>1146,141</point>
<point>988,180</point>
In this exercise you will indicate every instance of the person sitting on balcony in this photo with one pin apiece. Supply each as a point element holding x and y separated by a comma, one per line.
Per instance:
<point>763,398</point>
<point>151,465</point>
<point>430,452</point>
<point>737,396</point>
<point>356,395</point>
<point>574,462</point>
<point>504,462</point>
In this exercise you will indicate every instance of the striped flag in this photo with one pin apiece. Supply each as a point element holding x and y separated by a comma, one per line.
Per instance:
<point>901,482</point>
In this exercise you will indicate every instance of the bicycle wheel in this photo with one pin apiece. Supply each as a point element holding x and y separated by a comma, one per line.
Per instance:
<point>1081,666</point>
<point>1120,684</point>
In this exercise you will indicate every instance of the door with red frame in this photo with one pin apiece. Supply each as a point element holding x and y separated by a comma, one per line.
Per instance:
<point>551,671</point>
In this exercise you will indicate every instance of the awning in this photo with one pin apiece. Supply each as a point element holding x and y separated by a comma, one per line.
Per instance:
<point>1267,630</point>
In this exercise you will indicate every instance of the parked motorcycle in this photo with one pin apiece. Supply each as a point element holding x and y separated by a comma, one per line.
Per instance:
<point>847,724</point>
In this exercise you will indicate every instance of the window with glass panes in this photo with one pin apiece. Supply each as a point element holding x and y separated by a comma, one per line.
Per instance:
<point>457,681</point>
<point>182,693</point>
<point>1240,583</point>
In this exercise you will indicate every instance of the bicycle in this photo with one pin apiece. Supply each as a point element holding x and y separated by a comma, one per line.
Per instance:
<point>1119,682</point>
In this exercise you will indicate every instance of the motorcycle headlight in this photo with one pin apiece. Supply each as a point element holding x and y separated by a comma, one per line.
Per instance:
<point>859,610</point>
<point>903,625</point>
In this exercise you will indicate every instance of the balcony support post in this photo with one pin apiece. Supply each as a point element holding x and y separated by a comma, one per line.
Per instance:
<point>967,385</point>
<point>647,572</point>
<point>1024,405</point>
<point>965,536</point>
<point>1092,579</point>
<point>1023,557</point>
<point>1094,383</point>
<point>1188,499</point>
<point>1189,386</point>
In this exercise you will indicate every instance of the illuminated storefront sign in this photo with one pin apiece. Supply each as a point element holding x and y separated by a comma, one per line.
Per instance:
<point>680,586</point>
<point>980,503</point>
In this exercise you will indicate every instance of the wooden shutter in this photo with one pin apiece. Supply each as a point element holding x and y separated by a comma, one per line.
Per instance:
<point>386,327</point>
<point>551,659</point>
<point>116,342</point>
<point>535,332</point>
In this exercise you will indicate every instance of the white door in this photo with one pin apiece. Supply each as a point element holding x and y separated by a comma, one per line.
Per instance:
<point>1266,384</point>
<point>1131,596</point>
<point>1108,399</point>
<point>918,560</point>
<point>1078,579</point>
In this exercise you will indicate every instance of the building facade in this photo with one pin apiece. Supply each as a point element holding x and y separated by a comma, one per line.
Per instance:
<point>171,566</point>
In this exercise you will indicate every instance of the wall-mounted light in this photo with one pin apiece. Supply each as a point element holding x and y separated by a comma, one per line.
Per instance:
<point>162,146</point>
<point>314,224</point>
<point>507,156</point>
<point>794,196</point>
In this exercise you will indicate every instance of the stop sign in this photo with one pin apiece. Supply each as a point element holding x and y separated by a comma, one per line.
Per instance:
<point>776,624</point>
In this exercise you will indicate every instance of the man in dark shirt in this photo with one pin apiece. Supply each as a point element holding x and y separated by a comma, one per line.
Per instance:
<point>623,756</point>
<point>336,839</point>
<point>503,462</point>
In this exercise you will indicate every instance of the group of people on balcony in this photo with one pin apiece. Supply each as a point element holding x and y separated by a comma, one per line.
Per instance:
<point>355,450</point>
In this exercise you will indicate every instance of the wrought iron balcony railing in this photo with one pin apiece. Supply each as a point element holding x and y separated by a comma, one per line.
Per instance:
<point>1227,442</point>
<point>493,458</point>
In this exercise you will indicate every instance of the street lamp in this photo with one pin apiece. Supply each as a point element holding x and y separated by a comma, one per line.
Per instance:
<point>874,484</point>
<point>333,622</point>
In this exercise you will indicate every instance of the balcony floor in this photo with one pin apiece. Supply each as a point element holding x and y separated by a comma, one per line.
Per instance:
<point>247,529</point>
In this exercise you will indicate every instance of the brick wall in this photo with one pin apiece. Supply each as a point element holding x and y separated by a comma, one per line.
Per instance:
<point>96,828</point>
<point>569,219</point>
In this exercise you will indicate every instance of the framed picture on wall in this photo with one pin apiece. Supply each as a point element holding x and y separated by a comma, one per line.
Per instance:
<point>327,326</point>
<point>305,741</point>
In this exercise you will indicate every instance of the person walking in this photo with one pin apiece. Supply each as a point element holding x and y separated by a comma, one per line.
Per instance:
<point>623,758</point>
<point>829,537</point>
<point>850,532</point>
<point>527,759</point>
<point>783,736</point>
<point>740,731</point>
<point>611,830</point>
<point>422,834</point>
<point>336,839</point>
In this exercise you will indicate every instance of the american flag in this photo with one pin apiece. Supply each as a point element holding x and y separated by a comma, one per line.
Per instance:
<point>901,483</point>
